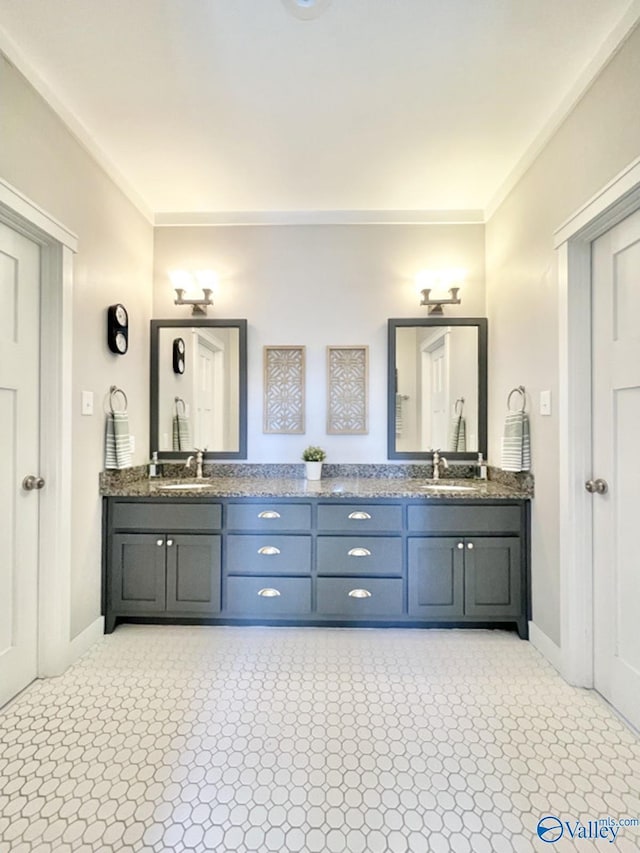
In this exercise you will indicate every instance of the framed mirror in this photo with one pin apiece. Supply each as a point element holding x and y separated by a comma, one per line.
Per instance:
<point>204,404</point>
<point>437,388</point>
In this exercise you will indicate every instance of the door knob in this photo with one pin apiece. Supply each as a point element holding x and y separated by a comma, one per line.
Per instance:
<point>597,486</point>
<point>31,482</point>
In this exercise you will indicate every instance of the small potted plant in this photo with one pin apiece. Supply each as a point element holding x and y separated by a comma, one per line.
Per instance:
<point>314,457</point>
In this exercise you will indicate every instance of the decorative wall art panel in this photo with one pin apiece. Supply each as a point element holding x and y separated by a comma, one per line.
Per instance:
<point>284,369</point>
<point>348,390</point>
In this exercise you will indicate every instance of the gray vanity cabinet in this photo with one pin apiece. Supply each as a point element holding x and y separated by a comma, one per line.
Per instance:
<point>461,578</point>
<point>160,571</point>
<point>318,561</point>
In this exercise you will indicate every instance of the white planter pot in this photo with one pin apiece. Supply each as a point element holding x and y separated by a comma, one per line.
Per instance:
<point>314,470</point>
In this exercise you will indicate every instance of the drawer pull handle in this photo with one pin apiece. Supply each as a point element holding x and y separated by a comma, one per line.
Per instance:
<point>269,513</point>
<point>460,546</point>
<point>159,542</point>
<point>470,546</point>
<point>268,550</point>
<point>359,516</point>
<point>359,552</point>
<point>359,593</point>
<point>169,542</point>
<point>268,592</point>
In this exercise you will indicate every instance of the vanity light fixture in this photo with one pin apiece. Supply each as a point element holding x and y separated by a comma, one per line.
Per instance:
<point>443,278</point>
<point>183,282</point>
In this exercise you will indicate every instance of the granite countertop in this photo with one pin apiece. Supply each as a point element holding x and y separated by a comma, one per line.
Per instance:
<point>298,487</point>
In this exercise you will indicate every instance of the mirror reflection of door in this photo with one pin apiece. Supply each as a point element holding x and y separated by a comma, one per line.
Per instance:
<point>434,369</point>
<point>208,396</point>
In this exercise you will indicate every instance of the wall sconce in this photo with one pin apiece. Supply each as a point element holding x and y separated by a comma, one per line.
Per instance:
<point>444,279</point>
<point>184,282</point>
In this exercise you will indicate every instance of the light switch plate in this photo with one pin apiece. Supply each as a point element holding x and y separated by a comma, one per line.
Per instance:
<point>545,402</point>
<point>87,403</point>
<point>132,443</point>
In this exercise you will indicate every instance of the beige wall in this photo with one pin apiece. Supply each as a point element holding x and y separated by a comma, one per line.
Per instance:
<point>319,285</point>
<point>41,159</point>
<point>598,139</point>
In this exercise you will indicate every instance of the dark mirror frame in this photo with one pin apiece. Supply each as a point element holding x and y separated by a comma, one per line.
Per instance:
<point>191,323</point>
<point>481,324</point>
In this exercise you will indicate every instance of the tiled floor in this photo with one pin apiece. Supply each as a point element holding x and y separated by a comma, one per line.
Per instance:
<point>262,739</point>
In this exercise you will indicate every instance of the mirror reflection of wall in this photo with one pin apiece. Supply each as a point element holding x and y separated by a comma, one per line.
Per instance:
<point>200,406</point>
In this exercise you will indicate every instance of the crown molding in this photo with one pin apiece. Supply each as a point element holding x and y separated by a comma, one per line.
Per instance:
<point>73,124</point>
<point>318,217</point>
<point>610,46</point>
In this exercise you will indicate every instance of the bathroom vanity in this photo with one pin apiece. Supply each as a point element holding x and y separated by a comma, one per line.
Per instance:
<point>370,553</point>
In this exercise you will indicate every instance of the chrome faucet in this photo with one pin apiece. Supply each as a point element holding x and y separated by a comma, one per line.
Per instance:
<point>437,462</point>
<point>198,457</point>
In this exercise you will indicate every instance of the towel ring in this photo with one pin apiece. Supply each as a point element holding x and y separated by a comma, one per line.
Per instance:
<point>180,402</point>
<point>460,402</point>
<point>113,392</point>
<point>519,390</point>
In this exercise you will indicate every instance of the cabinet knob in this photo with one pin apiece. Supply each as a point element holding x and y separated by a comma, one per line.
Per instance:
<point>268,592</point>
<point>269,513</point>
<point>460,546</point>
<point>359,516</point>
<point>268,550</point>
<point>169,542</point>
<point>359,552</point>
<point>359,593</point>
<point>32,482</point>
<point>159,542</point>
<point>599,487</point>
<point>470,546</point>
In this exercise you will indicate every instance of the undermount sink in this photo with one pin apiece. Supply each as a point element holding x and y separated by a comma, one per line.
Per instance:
<point>442,487</point>
<point>182,487</point>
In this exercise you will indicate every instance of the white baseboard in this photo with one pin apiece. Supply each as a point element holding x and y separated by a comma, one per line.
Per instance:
<point>547,648</point>
<point>85,639</point>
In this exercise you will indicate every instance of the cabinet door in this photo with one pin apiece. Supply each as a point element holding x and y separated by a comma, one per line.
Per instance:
<point>193,574</point>
<point>138,573</point>
<point>492,577</point>
<point>436,577</point>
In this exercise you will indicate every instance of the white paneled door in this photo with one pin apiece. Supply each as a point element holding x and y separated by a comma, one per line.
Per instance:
<point>19,458</point>
<point>615,482</point>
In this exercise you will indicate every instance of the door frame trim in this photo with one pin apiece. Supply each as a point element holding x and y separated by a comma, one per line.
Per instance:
<point>572,241</point>
<point>57,247</point>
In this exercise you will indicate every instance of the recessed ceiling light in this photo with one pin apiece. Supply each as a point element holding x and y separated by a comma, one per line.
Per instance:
<point>306,9</point>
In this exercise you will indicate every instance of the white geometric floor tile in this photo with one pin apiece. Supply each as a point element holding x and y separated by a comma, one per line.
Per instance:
<point>176,738</point>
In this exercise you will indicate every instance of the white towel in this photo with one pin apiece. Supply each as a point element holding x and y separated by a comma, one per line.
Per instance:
<point>117,443</point>
<point>181,438</point>
<point>458,435</point>
<point>516,442</point>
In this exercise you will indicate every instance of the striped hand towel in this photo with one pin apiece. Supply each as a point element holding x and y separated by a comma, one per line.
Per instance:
<point>117,444</point>
<point>399,423</point>
<point>181,438</point>
<point>458,435</point>
<point>516,442</point>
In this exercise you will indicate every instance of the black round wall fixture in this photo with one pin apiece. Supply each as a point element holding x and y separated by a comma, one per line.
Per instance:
<point>118,329</point>
<point>178,355</point>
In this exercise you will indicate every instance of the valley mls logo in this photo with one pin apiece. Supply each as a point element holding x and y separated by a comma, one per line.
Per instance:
<point>550,829</point>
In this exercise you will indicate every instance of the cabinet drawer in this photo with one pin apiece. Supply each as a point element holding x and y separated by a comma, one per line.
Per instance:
<point>359,517</point>
<point>359,598</point>
<point>269,516</point>
<point>165,516</point>
<point>464,519</point>
<point>359,555</point>
<point>261,554</point>
<point>267,596</point>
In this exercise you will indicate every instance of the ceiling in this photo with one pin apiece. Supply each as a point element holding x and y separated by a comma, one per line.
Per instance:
<point>385,107</point>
